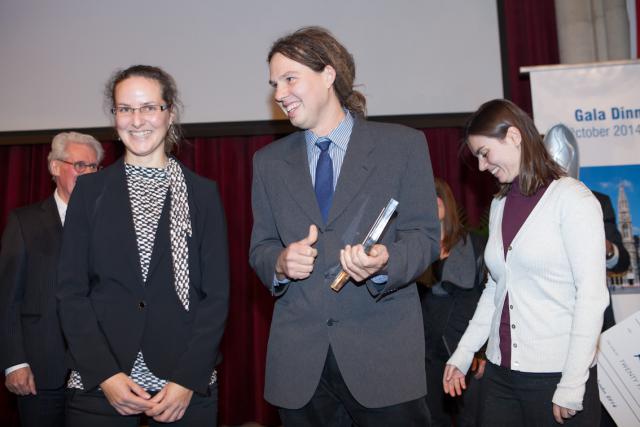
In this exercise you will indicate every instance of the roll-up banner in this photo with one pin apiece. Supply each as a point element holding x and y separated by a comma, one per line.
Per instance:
<point>600,103</point>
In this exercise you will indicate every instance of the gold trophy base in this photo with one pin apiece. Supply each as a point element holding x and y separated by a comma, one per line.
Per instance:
<point>340,281</point>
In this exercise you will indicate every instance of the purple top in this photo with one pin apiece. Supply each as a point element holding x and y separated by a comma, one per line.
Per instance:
<point>517,208</point>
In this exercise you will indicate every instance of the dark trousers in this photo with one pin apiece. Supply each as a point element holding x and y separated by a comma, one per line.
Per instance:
<point>513,398</point>
<point>465,409</point>
<point>92,409</point>
<point>445,320</point>
<point>332,405</point>
<point>45,409</point>
<point>469,409</point>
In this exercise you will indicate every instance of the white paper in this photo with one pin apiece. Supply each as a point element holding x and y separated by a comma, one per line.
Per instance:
<point>619,371</point>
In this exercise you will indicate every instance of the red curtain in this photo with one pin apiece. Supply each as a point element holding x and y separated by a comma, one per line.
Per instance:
<point>454,163</point>
<point>24,177</point>
<point>532,39</point>
<point>228,161</point>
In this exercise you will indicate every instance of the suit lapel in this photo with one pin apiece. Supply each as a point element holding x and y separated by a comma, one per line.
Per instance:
<point>51,221</point>
<point>298,180</point>
<point>51,216</point>
<point>161,240</point>
<point>356,167</point>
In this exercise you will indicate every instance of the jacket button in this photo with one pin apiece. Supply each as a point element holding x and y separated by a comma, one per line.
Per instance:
<point>331,322</point>
<point>142,305</point>
<point>515,345</point>
<point>509,248</point>
<point>513,326</point>
<point>511,306</point>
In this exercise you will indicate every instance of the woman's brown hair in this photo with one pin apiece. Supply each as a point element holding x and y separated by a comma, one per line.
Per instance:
<point>537,168</point>
<point>453,229</point>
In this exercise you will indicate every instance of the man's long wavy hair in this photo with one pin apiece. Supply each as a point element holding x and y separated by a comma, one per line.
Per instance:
<point>316,48</point>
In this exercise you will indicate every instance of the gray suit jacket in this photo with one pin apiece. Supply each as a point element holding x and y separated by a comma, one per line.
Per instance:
<point>375,331</point>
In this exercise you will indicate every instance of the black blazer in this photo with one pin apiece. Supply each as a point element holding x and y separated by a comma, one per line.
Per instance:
<point>612,233</point>
<point>108,314</point>
<point>30,330</point>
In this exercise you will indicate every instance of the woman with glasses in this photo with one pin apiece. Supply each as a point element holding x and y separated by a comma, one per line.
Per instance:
<point>543,304</point>
<point>143,277</point>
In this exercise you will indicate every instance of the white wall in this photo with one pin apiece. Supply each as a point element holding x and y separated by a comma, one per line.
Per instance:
<point>412,56</point>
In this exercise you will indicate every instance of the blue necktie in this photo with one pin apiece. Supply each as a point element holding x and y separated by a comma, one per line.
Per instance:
<point>324,178</point>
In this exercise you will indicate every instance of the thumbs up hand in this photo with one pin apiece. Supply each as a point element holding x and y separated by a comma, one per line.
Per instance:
<point>295,262</point>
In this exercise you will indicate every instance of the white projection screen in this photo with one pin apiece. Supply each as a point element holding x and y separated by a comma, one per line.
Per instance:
<point>412,57</point>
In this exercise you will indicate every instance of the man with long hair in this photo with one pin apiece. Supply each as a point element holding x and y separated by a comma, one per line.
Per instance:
<point>356,355</point>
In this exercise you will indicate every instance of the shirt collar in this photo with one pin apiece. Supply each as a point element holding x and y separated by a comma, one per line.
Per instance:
<point>339,136</point>
<point>61,205</point>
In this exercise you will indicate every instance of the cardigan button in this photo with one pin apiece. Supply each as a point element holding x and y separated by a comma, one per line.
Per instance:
<point>142,305</point>
<point>515,345</point>
<point>513,326</point>
<point>509,248</point>
<point>511,306</point>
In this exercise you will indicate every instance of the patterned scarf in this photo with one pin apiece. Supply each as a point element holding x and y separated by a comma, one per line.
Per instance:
<point>179,229</point>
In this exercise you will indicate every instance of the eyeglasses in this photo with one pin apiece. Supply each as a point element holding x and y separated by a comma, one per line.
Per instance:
<point>145,110</point>
<point>81,166</point>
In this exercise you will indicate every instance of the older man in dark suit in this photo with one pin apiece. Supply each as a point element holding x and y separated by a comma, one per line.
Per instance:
<point>358,354</point>
<point>31,343</point>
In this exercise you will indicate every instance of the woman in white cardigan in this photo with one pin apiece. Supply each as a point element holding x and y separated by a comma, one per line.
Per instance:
<point>542,308</point>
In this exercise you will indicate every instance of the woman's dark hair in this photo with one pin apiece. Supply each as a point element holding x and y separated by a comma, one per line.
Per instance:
<point>453,229</point>
<point>316,48</point>
<point>537,168</point>
<point>169,96</point>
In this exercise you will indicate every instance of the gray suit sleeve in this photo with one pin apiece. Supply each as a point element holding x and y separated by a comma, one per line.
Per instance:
<point>265,242</point>
<point>418,230</point>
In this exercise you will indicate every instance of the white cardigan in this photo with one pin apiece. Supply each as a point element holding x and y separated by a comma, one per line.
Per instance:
<point>556,278</point>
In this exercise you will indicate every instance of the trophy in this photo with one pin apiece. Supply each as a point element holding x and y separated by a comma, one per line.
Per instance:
<point>371,239</point>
